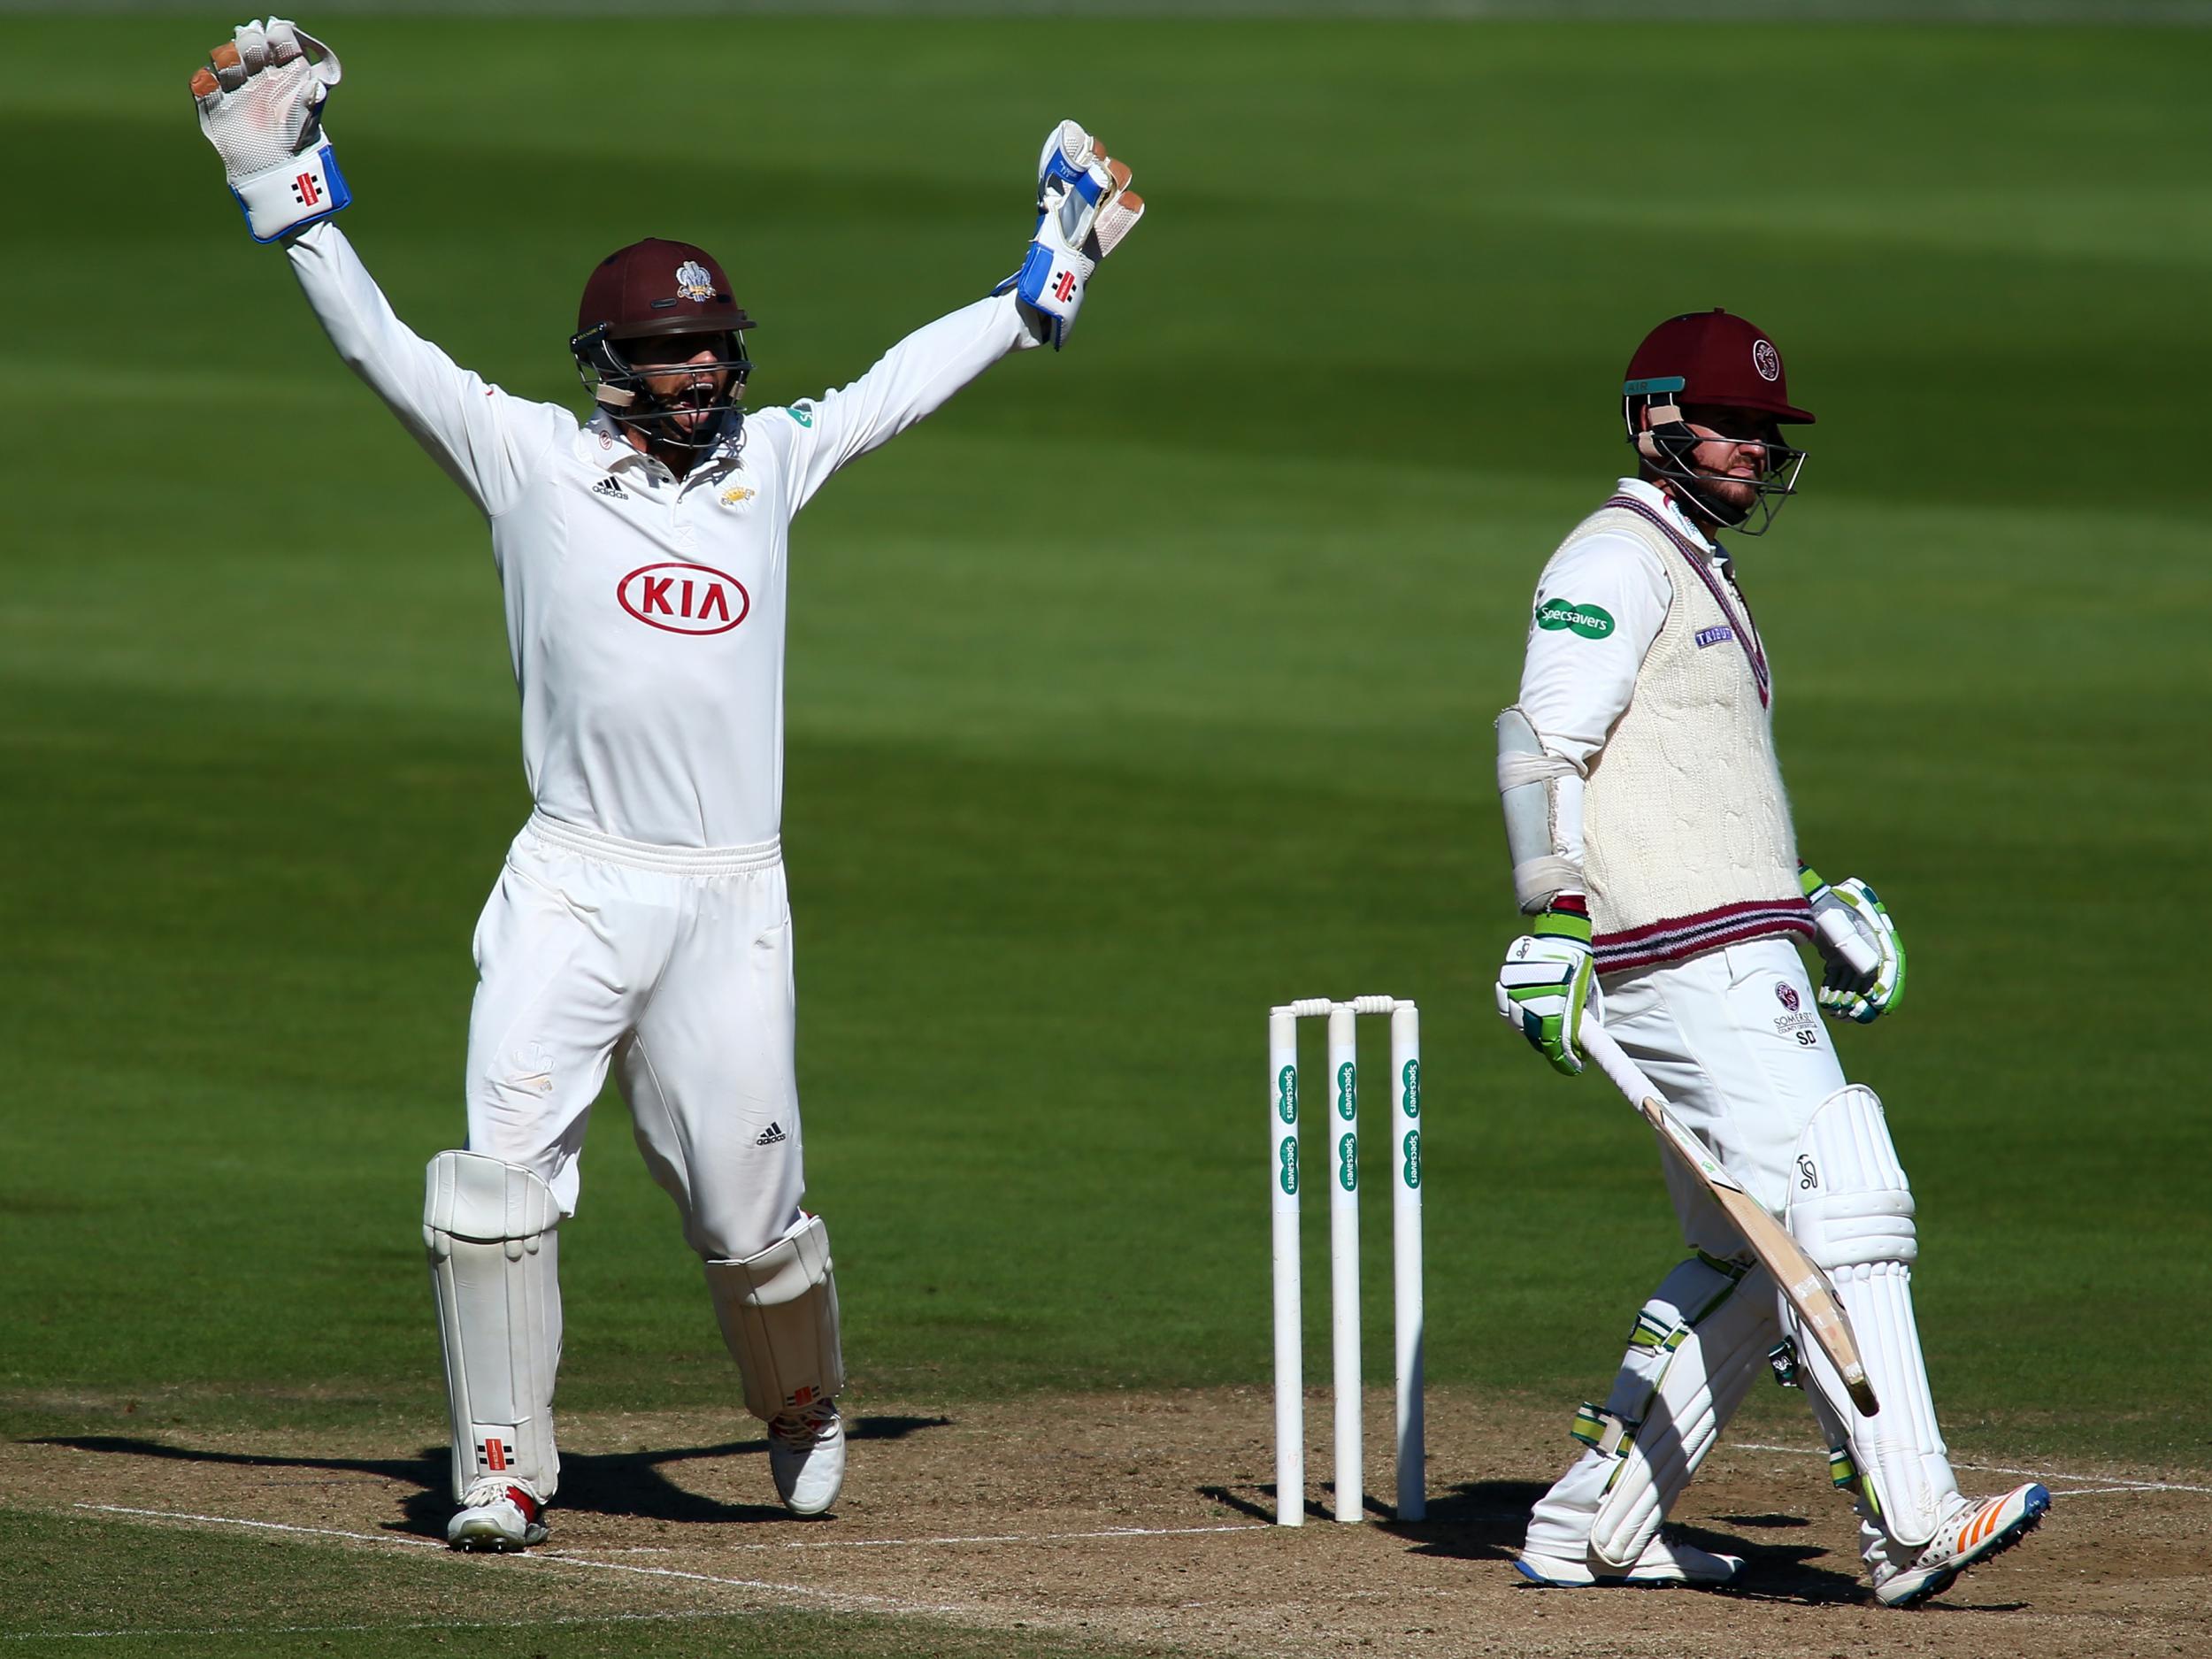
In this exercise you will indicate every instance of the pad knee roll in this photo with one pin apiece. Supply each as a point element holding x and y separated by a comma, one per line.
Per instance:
<point>1849,1204</point>
<point>778,1311</point>
<point>489,1228</point>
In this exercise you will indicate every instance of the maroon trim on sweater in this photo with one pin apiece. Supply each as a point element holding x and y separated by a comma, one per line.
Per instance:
<point>1746,632</point>
<point>1677,937</point>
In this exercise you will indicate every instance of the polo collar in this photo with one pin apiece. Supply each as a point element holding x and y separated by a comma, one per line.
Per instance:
<point>1662,501</point>
<point>602,440</point>
<point>603,443</point>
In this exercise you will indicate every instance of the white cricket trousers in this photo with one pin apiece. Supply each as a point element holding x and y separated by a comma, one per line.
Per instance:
<point>1737,1043</point>
<point>674,965</point>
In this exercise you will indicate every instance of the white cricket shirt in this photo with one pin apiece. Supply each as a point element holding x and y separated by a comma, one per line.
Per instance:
<point>645,613</point>
<point>1645,671</point>
<point>1574,696</point>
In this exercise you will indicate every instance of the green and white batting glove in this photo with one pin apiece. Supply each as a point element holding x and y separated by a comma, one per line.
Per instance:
<point>1548,979</point>
<point>1865,958</point>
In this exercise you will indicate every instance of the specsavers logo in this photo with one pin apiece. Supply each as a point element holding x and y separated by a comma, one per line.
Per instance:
<point>1589,621</point>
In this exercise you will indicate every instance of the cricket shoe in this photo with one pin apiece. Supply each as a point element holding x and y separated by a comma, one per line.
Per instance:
<point>1971,1536</point>
<point>499,1513</point>
<point>1661,1563</point>
<point>806,1454</point>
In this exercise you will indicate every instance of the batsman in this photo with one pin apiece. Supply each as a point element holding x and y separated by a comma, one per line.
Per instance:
<point>640,921</point>
<point>1651,843</point>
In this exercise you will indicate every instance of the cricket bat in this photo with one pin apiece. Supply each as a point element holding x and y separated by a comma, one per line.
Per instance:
<point>1797,1274</point>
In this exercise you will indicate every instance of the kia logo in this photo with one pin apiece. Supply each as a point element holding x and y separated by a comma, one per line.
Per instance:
<point>684,598</point>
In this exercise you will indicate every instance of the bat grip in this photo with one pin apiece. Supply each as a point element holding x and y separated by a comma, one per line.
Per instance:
<point>1597,1044</point>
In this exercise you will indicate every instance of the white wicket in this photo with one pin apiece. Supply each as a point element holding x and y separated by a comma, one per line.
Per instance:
<point>1405,1158</point>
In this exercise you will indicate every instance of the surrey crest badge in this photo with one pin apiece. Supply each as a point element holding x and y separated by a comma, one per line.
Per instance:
<point>693,281</point>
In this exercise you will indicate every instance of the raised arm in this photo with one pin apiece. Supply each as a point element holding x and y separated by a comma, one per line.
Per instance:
<point>912,381</point>
<point>486,440</point>
<point>260,98</point>
<point>1084,208</point>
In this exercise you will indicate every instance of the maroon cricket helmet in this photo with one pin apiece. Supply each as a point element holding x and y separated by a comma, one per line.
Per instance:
<point>654,288</point>
<point>1712,358</point>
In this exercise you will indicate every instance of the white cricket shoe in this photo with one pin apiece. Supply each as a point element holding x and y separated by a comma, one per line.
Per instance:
<point>806,1454</point>
<point>1970,1536</point>
<point>1661,1563</point>
<point>498,1512</point>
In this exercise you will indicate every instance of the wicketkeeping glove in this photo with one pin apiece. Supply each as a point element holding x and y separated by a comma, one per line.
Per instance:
<point>261,102</point>
<point>1085,207</point>
<point>1548,980</point>
<point>1865,958</point>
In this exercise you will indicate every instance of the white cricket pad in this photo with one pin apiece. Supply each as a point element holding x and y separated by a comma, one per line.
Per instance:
<point>1542,794</point>
<point>779,1314</point>
<point>490,1230</point>
<point>1851,1208</point>
<point>1850,1205</point>
<point>1696,1346</point>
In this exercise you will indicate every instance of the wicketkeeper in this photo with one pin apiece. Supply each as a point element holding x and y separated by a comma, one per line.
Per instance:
<point>641,917</point>
<point>1651,842</point>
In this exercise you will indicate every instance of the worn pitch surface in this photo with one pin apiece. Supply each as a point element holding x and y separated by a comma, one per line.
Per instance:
<point>1133,1519</point>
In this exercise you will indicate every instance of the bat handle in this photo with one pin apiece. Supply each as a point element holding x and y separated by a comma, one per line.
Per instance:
<point>1597,1044</point>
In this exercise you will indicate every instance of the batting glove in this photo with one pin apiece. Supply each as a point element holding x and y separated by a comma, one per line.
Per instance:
<point>261,99</point>
<point>1548,979</point>
<point>1864,956</point>
<point>1085,207</point>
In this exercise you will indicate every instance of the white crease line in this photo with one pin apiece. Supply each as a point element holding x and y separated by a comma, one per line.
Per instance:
<point>351,1629</point>
<point>2122,1483</point>
<point>266,1527</point>
<point>848,1597</point>
<point>1011,1538</point>
<point>931,1543</point>
<point>853,1598</point>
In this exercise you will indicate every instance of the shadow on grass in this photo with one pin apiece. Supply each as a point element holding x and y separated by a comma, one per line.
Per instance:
<point>627,1484</point>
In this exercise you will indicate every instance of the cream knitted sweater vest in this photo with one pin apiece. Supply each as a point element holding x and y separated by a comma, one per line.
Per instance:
<point>1687,843</point>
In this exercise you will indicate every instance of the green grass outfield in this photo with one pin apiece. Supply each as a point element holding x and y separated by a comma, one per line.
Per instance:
<point>79,1586</point>
<point>1145,686</point>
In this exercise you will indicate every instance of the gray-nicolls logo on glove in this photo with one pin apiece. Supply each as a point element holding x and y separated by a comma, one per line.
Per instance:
<point>260,97</point>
